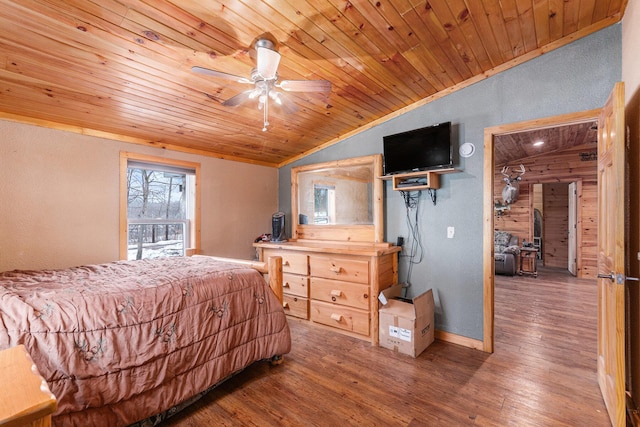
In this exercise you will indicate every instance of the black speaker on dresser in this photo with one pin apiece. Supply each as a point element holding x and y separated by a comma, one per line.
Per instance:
<point>278,233</point>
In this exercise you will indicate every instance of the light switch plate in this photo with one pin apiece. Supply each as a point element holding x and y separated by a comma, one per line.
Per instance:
<point>451,231</point>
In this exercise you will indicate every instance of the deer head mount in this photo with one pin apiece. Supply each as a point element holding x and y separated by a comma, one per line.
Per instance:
<point>511,191</point>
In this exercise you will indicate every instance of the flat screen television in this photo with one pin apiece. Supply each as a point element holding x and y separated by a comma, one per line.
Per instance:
<point>423,149</point>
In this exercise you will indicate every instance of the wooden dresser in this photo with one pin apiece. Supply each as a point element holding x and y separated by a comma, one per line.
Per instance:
<point>335,284</point>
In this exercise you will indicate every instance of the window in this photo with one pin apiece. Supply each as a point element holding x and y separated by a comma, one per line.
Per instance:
<point>159,207</point>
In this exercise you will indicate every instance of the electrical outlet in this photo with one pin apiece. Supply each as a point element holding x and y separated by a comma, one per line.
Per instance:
<point>451,231</point>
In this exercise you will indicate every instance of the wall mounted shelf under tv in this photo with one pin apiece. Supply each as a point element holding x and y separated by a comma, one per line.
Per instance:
<point>421,180</point>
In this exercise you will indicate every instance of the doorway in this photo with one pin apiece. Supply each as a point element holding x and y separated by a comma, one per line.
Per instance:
<point>489,207</point>
<point>610,245</point>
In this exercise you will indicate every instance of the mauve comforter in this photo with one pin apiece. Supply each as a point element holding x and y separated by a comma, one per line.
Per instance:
<point>120,342</point>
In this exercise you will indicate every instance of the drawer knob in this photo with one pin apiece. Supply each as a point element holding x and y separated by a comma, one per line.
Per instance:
<point>335,269</point>
<point>336,293</point>
<point>285,305</point>
<point>336,317</point>
<point>286,263</point>
<point>286,285</point>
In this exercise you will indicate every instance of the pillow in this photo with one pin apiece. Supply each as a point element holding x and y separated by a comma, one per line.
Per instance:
<point>501,238</point>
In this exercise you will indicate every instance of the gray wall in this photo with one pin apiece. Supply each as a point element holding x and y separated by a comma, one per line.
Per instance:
<point>574,78</point>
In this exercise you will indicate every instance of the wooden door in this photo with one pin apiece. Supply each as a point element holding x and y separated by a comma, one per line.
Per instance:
<point>573,228</point>
<point>611,278</point>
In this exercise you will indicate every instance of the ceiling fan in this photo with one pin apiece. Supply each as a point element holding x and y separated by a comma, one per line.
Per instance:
<point>264,78</point>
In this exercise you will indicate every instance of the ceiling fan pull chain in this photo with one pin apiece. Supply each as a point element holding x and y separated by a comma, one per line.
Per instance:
<point>266,112</point>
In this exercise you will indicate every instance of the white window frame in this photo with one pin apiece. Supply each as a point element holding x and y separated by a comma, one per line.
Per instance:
<point>192,239</point>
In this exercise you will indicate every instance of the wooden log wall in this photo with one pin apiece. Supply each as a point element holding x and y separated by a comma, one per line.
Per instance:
<point>561,167</point>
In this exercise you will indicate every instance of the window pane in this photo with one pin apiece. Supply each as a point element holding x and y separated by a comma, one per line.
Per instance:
<point>154,194</point>
<point>157,213</point>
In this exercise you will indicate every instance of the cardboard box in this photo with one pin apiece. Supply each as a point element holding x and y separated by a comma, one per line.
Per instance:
<point>406,326</point>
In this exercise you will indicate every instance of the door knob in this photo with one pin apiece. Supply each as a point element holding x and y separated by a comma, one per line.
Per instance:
<point>611,276</point>
<point>619,278</point>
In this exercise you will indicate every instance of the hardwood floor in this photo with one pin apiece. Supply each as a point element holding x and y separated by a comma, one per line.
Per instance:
<point>541,374</point>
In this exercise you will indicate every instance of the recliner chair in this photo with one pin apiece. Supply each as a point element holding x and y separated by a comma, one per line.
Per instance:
<point>506,251</point>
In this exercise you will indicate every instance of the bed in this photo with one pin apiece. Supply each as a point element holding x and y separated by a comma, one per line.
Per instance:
<point>124,342</point>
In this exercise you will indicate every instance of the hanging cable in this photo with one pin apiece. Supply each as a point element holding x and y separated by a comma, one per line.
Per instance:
<point>432,194</point>
<point>415,247</point>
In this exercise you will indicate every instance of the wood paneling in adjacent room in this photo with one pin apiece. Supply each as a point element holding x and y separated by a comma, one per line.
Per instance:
<point>575,164</point>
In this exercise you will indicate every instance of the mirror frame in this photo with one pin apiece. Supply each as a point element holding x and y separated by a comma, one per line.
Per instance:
<point>342,232</point>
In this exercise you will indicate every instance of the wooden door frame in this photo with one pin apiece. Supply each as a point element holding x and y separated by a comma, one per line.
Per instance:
<point>488,209</point>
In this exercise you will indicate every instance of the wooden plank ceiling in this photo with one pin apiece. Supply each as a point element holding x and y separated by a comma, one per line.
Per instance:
<point>122,68</point>
<point>511,148</point>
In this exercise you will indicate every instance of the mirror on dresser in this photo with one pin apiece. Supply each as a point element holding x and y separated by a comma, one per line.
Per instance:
<point>339,200</point>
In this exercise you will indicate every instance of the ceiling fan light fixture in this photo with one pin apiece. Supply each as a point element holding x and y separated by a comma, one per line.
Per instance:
<point>268,61</point>
<point>276,97</point>
<point>254,94</point>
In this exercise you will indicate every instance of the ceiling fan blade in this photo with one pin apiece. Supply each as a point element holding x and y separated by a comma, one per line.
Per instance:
<point>305,85</point>
<point>220,74</point>
<point>238,99</point>
<point>287,105</point>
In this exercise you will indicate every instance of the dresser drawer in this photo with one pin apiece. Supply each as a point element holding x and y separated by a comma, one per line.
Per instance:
<point>339,316</point>
<point>339,292</point>
<point>292,262</point>
<point>294,284</point>
<point>347,269</point>
<point>295,306</point>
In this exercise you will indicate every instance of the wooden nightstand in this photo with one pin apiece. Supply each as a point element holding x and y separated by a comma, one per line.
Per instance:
<point>530,255</point>
<point>25,399</point>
